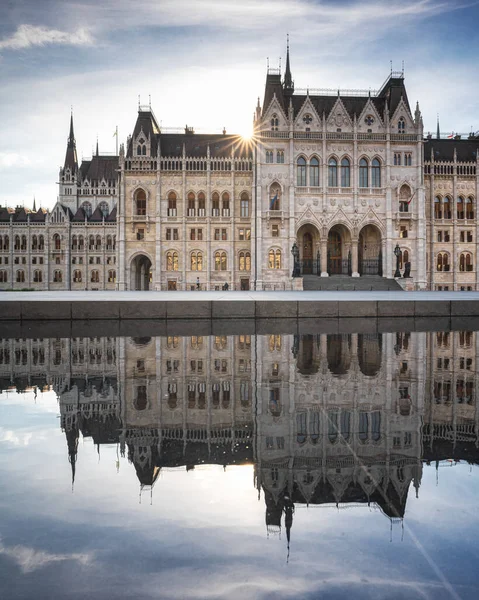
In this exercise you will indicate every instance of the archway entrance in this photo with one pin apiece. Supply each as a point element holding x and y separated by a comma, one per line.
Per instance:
<point>141,275</point>
<point>309,256</point>
<point>339,251</point>
<point>370,259</point>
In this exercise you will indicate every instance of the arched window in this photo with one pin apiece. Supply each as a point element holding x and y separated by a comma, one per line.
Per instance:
<point>244,261</point>
<point>95,276</point>
<point>41,243</point>
<point>172,260</point>
<point>3,277</point>
<point>345,173</point>
<point>138,150</point>
<point>81,243</point>
<point>269,156</point>
<point>442,261</point>
<point>333,172</point>
<point>140,202</point>
<point>275,197</point>
<point>403,258</point>
<point>34,242</point>
<point>460,207</point>
<point>109,245</point>
<point>196,261</point>
<point>98,243</point>
<point>57,276</point>
<point>280,156</point>
<point>225,200</point>
<point>87,208</point>
<point>363,173</point>
<point>37,276</point>
<point>57,242</point>
<point>376,173</point>
<point>111,276</point>
<point>220,261</point>
<point>301,172</point>
<point>20,276</point>
<point>74,242</point>
<point>274,122</point>
<point>470,208</point>
<point>244,205</point>
<point>215,204</point>
<point>314,172</point>
<point>465,262</point>
<point>77,277</point>
<point>24,242</point>
<point>191,204</point>
<point>446,208</point>
<point>16,242</point>
<point>274,257</point>
<point>401,125</point>
<point>437,208</point>
<point>91,243</point>
<point>104,208</point>
<point>6,242</point>
<point>201,204</point>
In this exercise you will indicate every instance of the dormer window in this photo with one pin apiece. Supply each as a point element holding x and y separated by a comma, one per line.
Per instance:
<point>274,122</point>
<point>401,125</point>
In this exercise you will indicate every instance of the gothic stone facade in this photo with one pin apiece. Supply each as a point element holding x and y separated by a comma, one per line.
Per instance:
<point>347,177</point>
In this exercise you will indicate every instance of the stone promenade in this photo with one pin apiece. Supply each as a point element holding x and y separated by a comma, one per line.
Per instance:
<point>33,306</point>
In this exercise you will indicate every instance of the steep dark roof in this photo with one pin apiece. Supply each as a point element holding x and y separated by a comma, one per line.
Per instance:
<point>21,215</point>
<point>112,216</point>
<point>97,216</point>
<point>39,216</point>
<point>196,145</point>
<point>100,167</point>
<point>5,213</point>
<point>273,86</point>
<point>392,91</point>
<point>146,121</point>
<point>79,216</point>
<point>444,150</point>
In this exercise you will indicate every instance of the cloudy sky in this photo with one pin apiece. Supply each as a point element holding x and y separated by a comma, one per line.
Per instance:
<point>204,64</point>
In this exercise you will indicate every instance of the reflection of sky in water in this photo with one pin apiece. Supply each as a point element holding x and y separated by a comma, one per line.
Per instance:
<point>202,533</point>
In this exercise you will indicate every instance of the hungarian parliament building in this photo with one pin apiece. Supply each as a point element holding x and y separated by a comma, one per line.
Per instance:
<point>331,183</point>
<point>330,420</point>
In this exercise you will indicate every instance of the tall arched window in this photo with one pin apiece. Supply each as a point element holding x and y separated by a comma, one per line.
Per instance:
<point>172,204</point>
<point>37,276</point>
<point>274,122</point>
<point>376,173</point>
<point>301,172</point>
<point>345,173</point>
<point>191,204</point>
<point>225,200</point>
<point>215,204</point>
<point>3,277</point>
<point>95,276</point>
<point>274,257</point>
<point>41,243</point>
<point>21,276</point>
<point>104,208</point>
<point>201,205</point>
<point>98,243</point>
<point>465,262</point>
<point>140,201</point>
<point>196,261</point>
<point>57,276</point>
<point>109,245</point>
<point>244,205</point>
<point>172,260</point>
<point>6,243</point>
<point>77,277</point>
<point>460,207</point>
<point>314,172</point>
<point>401,125</point>
<point>34,242</point>
<point>220,261</point>
<point>470,208</point>
<point>24,242</point>
<point>363,173</point>
<point>111,276</point>
<point>446,208</point>
<point>81,243</point>
<point>437,208</point>
<point>57,242</point>
<point>74,242</point>
<point>16,242</point>
<point>442,261</point>
<point>244,261</point>
<point>87,208</point>
<point>91,242</point>
<point>333,173</point>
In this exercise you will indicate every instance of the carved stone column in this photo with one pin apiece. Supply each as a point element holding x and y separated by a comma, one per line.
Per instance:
<point>354,257</point>
<point>324,258</point>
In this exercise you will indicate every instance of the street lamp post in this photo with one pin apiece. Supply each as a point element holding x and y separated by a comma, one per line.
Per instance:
<point>397,252</point>
<point>295,253</point>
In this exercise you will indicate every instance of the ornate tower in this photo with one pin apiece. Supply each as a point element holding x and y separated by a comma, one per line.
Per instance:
<point>69,173</point>
<point>288,84</point>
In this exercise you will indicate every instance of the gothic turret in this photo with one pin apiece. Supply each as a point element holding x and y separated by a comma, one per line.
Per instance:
<point>71,161</point>
<point>288,84</point>
<point>69,173</point>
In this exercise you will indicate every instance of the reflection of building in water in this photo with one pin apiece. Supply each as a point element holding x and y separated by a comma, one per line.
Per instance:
<point>327,419</point>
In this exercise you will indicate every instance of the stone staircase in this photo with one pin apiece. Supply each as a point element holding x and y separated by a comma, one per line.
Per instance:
<point>346,283</point>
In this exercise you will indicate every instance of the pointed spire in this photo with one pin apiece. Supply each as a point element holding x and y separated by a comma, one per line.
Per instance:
<point>97,153</point>
<point>71,160</point>
<point>288,84</point>
<point>438,132</point>
<point>34,205</point>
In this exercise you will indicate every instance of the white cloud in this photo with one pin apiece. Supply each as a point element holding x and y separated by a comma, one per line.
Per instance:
<point>29,559</point>
<point>27,36</point>
<point>12,159</point>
